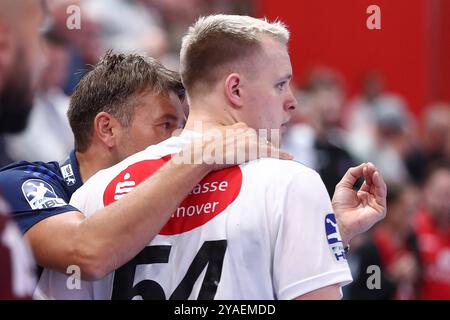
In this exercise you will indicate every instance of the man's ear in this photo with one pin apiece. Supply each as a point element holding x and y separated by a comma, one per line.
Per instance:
<point>107,128</point>
<point>233,90</point>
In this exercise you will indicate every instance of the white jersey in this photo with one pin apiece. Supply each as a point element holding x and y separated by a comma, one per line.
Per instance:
<point>261,230</point>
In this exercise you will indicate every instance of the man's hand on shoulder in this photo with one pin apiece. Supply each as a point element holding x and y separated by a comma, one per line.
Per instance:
<point>226,146</point>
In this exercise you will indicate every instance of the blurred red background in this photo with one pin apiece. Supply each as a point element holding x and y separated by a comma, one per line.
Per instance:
<point>411,50</point>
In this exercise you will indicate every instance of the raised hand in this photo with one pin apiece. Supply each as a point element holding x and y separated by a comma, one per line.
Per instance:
<point>358,210</point>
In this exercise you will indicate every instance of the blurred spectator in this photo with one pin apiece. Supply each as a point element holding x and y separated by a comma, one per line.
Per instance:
<point>382,130</point>
<point>20,69</point>
<point>48,135</point>
<point>128,26</point>
<point>176,15</point>
<point>86,38</point>
<point>85,48</point>
<point>393,143</point>
<point>364,111</point>
<point>447,148</point>
<point>393,247</point>
<point>434,145</point>
<point>433,233</point>
<point>21,61</point>
<point>319,142</point>
<point>149,27</point>
<point>437,130</point>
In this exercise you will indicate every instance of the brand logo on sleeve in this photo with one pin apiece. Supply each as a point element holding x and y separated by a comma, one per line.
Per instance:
<point>334,238</point>
<point>209,198</point>
<point>40,195</point>
<point>68,174</point>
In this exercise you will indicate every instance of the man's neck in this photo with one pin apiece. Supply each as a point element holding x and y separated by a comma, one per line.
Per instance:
<point>91,161</point>
<point>202,118</point>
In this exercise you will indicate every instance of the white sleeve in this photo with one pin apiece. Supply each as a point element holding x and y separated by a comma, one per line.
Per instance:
<point>308,250</point>
<point>87,200</point>
<point>78,198</point>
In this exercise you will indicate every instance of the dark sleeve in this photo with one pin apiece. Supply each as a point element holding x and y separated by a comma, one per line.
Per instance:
<point>33,196</point>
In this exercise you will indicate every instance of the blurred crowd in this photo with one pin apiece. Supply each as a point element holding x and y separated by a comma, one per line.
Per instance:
<point>330,132</point>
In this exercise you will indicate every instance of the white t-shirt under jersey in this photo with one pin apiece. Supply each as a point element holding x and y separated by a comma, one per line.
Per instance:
<point>261,230</point>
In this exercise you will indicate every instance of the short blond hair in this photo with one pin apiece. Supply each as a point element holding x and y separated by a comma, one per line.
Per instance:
<point>217,40</point>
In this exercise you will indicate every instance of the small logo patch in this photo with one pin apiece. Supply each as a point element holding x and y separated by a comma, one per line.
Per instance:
<point>334,238</point>
<point>68,175</point>
<point>40,194</point>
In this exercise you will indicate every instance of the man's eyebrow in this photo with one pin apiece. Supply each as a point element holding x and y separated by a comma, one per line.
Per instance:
<point>286,77</point>
<point>167,116</point>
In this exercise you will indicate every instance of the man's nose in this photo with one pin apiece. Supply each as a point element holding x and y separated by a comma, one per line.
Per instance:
<point>291,103</point>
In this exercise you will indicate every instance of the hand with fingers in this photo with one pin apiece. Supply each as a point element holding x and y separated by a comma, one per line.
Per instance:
<point>227,146</point>
<point>358,210</point>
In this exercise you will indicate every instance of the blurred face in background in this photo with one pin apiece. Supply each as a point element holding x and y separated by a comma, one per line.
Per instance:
<point>324,98</point>
<point>372,86</point>
<point>55,73</point>
<point>437,128</point>
<point>86,38</point>
<point>327,105</point>
<point>401,211</point>
<point>437,196</point>
<point>447,146</point>
<point>178,12</point>
<point>21,61</point>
